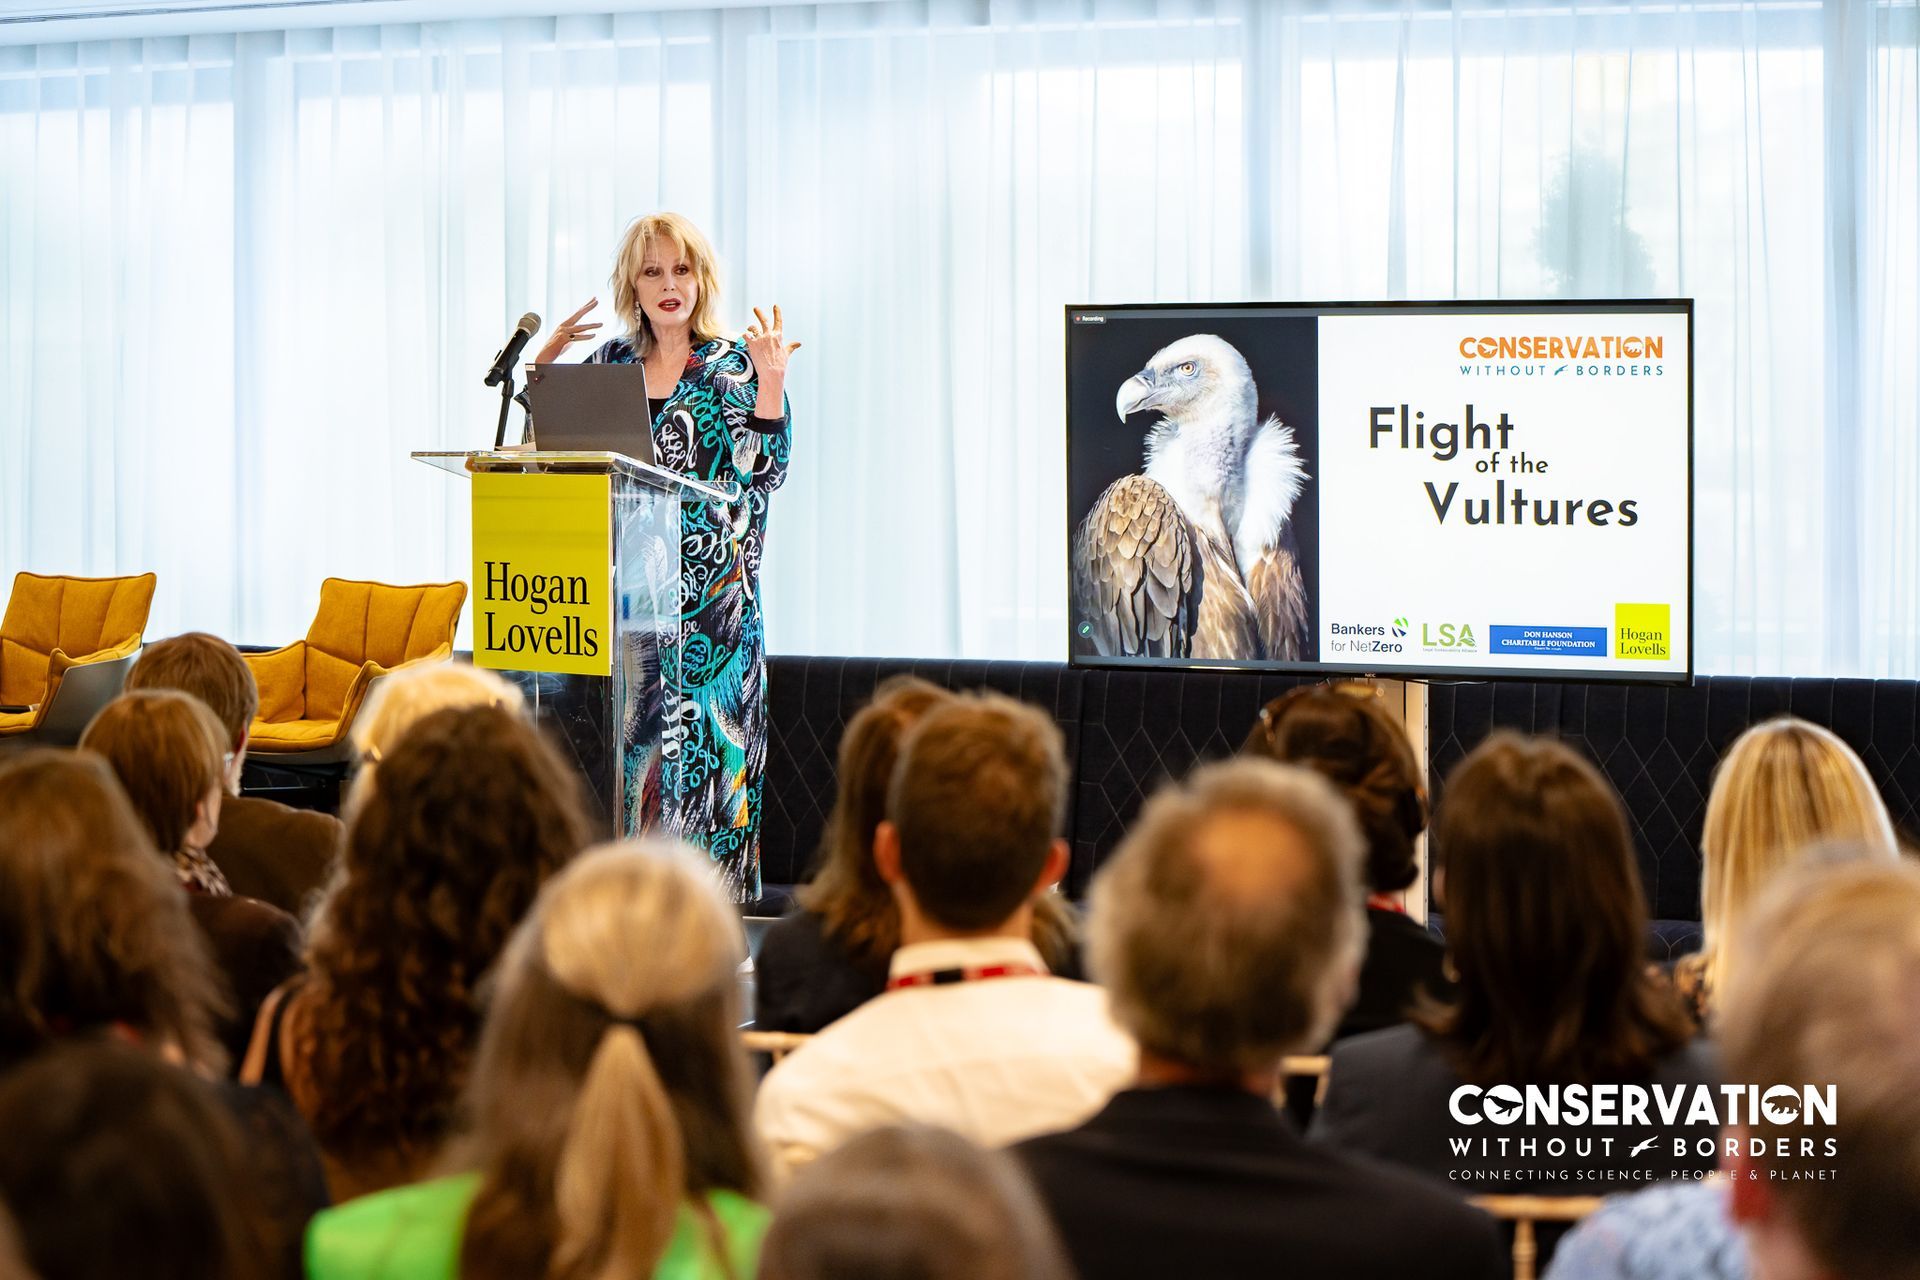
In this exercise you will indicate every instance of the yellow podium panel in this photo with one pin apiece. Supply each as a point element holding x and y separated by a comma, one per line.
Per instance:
<point>542,573</point>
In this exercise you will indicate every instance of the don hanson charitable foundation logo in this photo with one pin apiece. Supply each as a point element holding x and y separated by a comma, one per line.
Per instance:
<point>1636,1133</point>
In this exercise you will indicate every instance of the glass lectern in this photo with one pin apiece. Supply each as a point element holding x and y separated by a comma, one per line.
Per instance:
<point>599,661</point>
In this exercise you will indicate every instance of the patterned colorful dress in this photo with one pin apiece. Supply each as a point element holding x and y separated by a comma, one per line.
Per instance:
<point>715,676</point>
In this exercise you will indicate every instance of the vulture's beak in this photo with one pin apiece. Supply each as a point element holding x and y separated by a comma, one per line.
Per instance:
<point>1137,393</point>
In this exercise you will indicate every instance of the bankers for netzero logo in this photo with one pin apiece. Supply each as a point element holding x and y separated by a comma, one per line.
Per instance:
<point>1368,637</point>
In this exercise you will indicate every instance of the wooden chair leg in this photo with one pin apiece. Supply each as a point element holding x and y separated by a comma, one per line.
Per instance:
<point>1526,1252</point>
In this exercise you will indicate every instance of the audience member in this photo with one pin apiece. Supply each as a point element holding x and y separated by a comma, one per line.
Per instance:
<point>1228,928</point>
<point>608,1102</point>
<point>829,957</point>
<point>95,936</point>
<point>1546,928</point>
<point>1782,787</point>
<point>1678,1230</point>
<point>117,1164</point>
<point>96,941</point>
<point>911,1203</point>
<point>972,1033</point>
<point>445,849</point>
<point>404,698</point>
<point>1344,734</point>
<point>266,850</point>
<point>1823,994</point>
<point>171,756</point>
<point>1826,975</point>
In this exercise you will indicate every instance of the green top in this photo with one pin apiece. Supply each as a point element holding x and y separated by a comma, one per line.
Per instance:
<point>414,1233</point>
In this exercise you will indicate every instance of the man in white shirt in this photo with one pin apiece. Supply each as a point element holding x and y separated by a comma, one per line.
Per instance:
<point>972,1032</point>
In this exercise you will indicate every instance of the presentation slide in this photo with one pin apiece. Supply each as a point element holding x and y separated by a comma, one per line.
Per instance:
<point>1444,490</point>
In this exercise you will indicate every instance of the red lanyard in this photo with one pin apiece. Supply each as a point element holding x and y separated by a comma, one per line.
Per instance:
<point>972,973</point>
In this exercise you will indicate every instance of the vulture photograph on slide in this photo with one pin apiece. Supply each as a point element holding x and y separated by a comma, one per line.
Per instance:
<point>1196,553</point>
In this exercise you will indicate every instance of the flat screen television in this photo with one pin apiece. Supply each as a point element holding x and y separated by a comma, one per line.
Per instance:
<point>1420,490</point>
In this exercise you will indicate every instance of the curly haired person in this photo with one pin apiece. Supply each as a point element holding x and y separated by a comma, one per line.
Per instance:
<point>471,812</point>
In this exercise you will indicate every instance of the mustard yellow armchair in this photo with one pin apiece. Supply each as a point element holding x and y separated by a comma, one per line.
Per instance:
<point>311,690</point>
<point>65,647</point>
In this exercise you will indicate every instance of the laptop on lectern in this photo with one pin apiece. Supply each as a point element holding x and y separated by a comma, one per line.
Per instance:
<point>591,408</point>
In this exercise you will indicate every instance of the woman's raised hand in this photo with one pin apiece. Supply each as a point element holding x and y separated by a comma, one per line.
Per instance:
<point>568,332</point>
<point>768,348</point>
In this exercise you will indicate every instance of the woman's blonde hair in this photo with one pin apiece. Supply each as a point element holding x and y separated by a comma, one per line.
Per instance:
<point>407,697</point>
<point>1784,786</point>
<point>688,243</point>
<point>610,1087</point>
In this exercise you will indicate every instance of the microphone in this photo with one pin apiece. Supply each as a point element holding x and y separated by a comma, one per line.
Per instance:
<point>503,363</point>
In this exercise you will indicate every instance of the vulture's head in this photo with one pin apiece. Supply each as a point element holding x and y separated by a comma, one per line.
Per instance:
<point>1199,381</point>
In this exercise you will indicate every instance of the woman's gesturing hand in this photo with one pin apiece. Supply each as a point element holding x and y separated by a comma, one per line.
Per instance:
<point>768,348</point>
<point>568,332</point>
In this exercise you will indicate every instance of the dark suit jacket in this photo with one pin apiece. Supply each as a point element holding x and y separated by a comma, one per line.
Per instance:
<point>1388,1097</point>
<point>1194,1181</point>
<point>256,947</point>
<point>274,852</point>
<point>1403,959</point>
<point>803,979</point>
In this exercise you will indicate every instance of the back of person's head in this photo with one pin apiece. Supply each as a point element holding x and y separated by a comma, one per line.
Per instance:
<point>975,802</point>
<point>94,931</point>
<point>404,698</point>
<point>847,891</point>
<point>911,1202</point>
<point>170,755</point>
<point>1345,734</point>
<point>611,1084</point>
<point>1785,784</point>
<point>467,817</point>
<point>1546,925</point>
<point>1228,925</point>
<point>1825,993</point>
<point>208,668</point>
<point>117,1163</point>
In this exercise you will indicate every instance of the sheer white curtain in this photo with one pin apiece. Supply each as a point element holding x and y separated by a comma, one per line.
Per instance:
<point>269,264</point>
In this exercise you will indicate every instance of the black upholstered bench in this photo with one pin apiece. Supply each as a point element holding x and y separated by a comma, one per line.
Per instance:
<point>1128,731</point>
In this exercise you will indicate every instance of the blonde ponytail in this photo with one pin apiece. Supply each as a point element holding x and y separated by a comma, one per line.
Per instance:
<point>622,1170</point>
<point>592,1136</point>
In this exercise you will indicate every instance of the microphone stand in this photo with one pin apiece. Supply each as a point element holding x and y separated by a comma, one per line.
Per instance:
<point>506,406</point>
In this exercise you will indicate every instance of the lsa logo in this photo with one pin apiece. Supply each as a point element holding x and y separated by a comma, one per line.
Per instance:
<point>1448,637</point>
